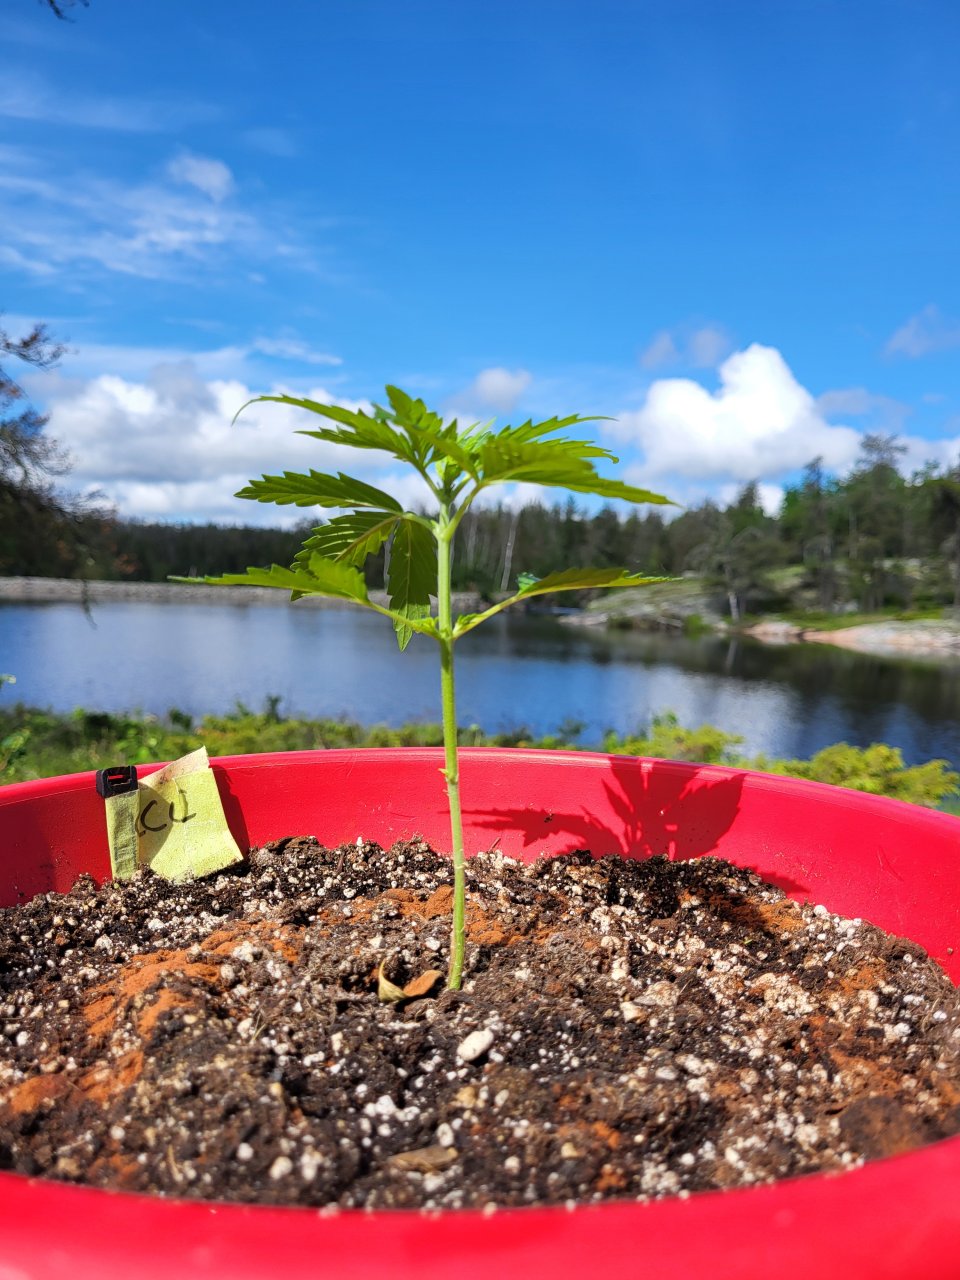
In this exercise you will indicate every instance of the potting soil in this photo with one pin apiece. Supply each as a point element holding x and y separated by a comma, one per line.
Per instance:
<point>626,1029</point>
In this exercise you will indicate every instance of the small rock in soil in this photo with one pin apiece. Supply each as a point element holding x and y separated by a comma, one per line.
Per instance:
<point>626,1030</point>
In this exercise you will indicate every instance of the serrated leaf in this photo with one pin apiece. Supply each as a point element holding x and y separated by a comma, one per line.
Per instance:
<point>412,413</point>
<point>377,434</point>
<point>452,451</point>
<point>579,580</point>
<point>412,577</point>
<point>352,537</point>
<point>531,430</point>
<point>465,622</point>
<point>357,428</point>
<point>602,487</point>
<point>319,577</point>
<point>316,489</point>
<point>504,459</point>
<point>402,404</point>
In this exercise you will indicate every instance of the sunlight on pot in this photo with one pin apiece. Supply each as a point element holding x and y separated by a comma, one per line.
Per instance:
<point>892,864</point>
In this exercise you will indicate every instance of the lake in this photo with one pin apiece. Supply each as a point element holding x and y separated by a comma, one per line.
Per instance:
<point>517,671</point>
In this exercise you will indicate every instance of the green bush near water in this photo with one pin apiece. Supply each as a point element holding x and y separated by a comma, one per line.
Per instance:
<point>42,744</point>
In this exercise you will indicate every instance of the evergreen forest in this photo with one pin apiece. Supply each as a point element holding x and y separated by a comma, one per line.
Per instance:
<point>873,539</point>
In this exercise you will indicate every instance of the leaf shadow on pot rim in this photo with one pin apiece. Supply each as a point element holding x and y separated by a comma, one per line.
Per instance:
<point>645,812</point>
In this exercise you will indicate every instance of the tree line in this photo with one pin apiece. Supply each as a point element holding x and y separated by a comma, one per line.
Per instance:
<point>873,538</point>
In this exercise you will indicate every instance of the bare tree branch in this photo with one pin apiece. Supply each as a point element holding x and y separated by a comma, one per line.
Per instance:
<point>59,7</point>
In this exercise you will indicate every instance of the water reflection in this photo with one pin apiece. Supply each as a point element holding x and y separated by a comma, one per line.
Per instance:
<point>530,671</point>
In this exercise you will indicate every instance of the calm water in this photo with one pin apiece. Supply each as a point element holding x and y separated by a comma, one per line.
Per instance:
<point>518,671</point>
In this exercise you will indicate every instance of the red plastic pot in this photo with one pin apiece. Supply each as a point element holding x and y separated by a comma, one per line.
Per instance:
<point>890,863</point>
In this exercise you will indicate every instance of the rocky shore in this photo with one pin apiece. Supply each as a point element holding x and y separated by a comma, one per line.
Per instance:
<point>933,639</point>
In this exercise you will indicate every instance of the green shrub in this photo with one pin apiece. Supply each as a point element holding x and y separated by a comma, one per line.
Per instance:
<point>40,744</point>
<point>877,769</point>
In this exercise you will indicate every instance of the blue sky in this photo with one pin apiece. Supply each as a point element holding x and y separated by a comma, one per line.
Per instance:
<point>730,224</point>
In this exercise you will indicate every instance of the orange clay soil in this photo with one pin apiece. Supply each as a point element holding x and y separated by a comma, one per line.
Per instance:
<point>627,1029</point>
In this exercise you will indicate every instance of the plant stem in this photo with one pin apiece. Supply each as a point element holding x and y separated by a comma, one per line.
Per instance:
<point>451,765</point>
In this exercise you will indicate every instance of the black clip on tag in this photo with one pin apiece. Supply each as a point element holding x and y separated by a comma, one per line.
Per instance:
<point>116,781</point>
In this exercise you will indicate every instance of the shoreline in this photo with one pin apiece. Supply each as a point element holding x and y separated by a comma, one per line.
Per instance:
<point>935,640</point>
<point>22,590</point>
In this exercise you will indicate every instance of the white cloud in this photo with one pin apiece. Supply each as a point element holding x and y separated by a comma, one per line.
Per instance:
<point>20,262</point>
<point>293,349</point>
<point>210,176</point>
<point>58,218</point>
<point>920,451</point>
<point>770,496</point>
<point>925,333</point>
<point>165,447</point>
<point>240,362</point>
<point>759,424</point>
<point>496,388</point>
<point>26,96</point>
<point>686,347</point>
<point>661,352</point>
<point>706,347</point>
<point>857,402</point>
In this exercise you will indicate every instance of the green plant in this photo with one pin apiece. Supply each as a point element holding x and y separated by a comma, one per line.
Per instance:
<point>878,769</point>
<point>12,745</point>
<point>455,466</point>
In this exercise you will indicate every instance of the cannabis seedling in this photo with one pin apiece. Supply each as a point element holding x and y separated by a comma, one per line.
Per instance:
<point>456,464</point>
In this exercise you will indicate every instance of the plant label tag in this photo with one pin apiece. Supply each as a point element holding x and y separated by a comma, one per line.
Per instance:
<point>118,786</point>
<point>182,830</point>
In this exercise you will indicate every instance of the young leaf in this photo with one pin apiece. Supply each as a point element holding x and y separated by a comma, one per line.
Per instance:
<point>317,490</point>
<point>564,580</point>
<point>601,487</point>
<point>412,578</point>
<point>351,537</point>
<point>376,434</point>
<point>531,430</point>
<point>319,577</point>
<point>578,580</point>
<point>412,416</point>
<point>505,459</point>
<point>357,428</point>
<point>455,464</point>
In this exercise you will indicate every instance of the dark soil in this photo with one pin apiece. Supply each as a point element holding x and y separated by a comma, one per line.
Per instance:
<point>627,1030</point>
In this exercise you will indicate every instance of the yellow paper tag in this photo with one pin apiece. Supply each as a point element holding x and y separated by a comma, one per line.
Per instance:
<point>181,827</point>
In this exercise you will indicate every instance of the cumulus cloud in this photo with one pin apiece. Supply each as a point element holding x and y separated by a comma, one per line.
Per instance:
<point>497,388</point>
<point>760,423</point>
<point>686,347</point>
<point>210,176</point>
<point>924,334</point>
<point>884,412</point>
<point>165,447</point>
